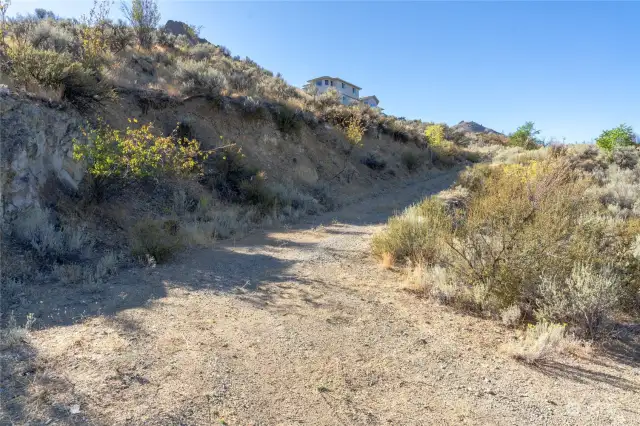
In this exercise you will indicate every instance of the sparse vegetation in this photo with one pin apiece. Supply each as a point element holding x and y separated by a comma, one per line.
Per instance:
<point>540,341</point>
<point>156,240</point>
<point>410,160</point>
<point>536,236</point>
<point>143,15</point>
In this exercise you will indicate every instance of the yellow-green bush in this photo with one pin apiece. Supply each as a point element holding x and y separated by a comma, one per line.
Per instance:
<point>415,235</point>
<point>117,157</point>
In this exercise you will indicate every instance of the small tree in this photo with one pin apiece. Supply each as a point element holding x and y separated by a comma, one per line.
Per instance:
<point>93,33</point>
<point>144,18</point>
<point>620,136</point>
<point>116,158</point>
<point>435,134</point>
<point>525,136</point>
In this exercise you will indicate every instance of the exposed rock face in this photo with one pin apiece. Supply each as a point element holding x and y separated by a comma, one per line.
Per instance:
<point>473,127</point>
<point>36,144</point>
<point>180,28</point>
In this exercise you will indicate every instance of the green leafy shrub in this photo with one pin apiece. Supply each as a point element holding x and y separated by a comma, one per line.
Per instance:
<point>44,67</point>
<point>143,15</point>
<point>435,134</point>
<point>523,236</point>
<point>47,36</point>
<point>157,239</point>
<point>117,157</point>
<point>525,136</point>
<point>614,138</point>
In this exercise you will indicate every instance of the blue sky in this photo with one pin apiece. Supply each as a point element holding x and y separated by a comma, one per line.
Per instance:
<point>571,67</point>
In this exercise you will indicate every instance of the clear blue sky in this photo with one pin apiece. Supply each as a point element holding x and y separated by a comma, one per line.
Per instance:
<point>572,68</point>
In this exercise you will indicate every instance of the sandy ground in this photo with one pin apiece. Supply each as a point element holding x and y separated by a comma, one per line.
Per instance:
<point>297,326</point>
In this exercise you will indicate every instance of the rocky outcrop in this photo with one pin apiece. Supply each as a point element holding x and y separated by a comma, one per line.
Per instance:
<point>36,144</point>
<point>473,127</point>
<point>180,28</point>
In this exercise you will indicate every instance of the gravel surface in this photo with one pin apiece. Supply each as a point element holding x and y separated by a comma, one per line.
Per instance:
<point>301,326</point>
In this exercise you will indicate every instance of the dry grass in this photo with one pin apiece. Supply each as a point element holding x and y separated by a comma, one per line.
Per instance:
<point>12,334</point>
<point>539,342</point>
<point>387,260</point>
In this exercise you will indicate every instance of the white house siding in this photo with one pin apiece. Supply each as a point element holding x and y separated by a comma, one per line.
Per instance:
<point>347,90</point>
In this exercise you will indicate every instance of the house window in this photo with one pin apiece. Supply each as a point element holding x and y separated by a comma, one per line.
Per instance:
<point>319,83</point>
<point>344,99</point>
<point>326,82</point>
<point>343,85</point>
<point>354,90</point>
<point>331,82</point>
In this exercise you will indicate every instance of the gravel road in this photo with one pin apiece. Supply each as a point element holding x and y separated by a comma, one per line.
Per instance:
<point>301,326</point>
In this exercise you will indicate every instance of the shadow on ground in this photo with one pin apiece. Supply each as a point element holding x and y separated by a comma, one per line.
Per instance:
<point>245,264</point>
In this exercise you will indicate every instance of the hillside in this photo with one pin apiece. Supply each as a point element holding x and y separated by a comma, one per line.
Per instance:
<point>188,239</point>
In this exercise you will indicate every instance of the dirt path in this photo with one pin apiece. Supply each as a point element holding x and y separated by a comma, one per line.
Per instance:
<point>301,326</point>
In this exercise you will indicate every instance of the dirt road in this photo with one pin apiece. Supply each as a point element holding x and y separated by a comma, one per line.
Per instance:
<point>301,326</point>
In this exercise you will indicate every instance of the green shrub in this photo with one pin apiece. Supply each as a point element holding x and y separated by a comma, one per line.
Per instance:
<point>415,235</point>
<point>199,78</point>
<point>585,298</point>
<point>115,157</point>
<point>44,67</point>
<point>619,137</point>
<point>435,134</point>
<point>525,136</point>
<point>410,160</point>
<point>158,239</point>
<point>47,36</point>
<point>143,15</point>
<point>286,119</point>
<point>524,237</point>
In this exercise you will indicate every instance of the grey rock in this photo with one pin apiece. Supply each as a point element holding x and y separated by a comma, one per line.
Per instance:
<point>36,144</point>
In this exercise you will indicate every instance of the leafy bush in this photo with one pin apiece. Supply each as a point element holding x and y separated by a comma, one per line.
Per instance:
<point>117,157</point>
<point>143,15</point>
<point>525,136</point>
<point>519,238</point>
<point>46,68</point>
<point>620,136</point>
<point>157,239</point>
<point>435,134</point>
<point>199,78</point>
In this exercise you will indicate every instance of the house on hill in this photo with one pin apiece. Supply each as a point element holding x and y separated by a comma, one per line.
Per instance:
<point>372,101</point>
<point>349,92</point>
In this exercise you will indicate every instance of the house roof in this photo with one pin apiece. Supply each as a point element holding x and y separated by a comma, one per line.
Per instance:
<point>326,77</point>
<point>369,97</point>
